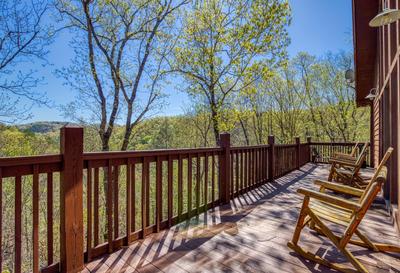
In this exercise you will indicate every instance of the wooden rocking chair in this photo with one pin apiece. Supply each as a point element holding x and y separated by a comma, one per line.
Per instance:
<point>345,156</point>
<point>319,208</point>
<point>348,171</point>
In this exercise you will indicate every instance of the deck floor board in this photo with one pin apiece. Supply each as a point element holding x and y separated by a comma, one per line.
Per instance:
<point>249,235</point>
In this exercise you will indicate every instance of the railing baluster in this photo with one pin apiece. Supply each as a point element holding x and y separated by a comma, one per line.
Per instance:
<point>213,180</point>
<point>180,187</point>
<point>147,191</point>
<point>232,176</point>
<point>158,193</point>
<point>116,201</point>
<point>170,191</point>
<point>143,201</point>
<point>264,166</point>
<point>237,172</point>
<point>89,212</point>
<point>128,202</point>
<point>133,196</point>
<point>35,218</point>
<point>189,185</point>
<point>145,197</point>
<point>18,224</point>
<point>49,218</point>
<point>198,183</point>
<point>257,155</point>
<point>96,205</point>
<point>109,207</point>
<point>249,155</point>
<point>242,169</point>
<point>206,182</point>
<point>246,167</point>
<point>253,168</point>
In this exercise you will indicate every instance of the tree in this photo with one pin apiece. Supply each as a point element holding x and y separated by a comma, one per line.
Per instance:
<point>200,120</point>
<point>23,39</point>
<point>125,44</point>
<point>288,108</point>
<point>328,97</point>
<point>223,41</point>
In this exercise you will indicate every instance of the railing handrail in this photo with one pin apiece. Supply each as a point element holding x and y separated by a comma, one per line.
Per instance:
<point>337,143</point>
<point>145,153</point>
<point>30,160</point>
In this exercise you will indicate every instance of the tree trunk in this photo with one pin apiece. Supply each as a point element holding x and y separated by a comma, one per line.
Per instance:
<point>246,136</point>
<point>215,122</point>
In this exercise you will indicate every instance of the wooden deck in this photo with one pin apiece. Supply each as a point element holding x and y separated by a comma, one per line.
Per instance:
<point>249,235</point>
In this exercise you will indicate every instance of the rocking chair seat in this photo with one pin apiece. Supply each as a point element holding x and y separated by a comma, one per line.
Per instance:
<point>330,212</point>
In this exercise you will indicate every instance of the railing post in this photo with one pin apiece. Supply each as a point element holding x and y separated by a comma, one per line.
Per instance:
<point>71,199</point>
<point>309,149</point>
<point>297,140</point>
<point>224,167</point>
<point>271,158</point>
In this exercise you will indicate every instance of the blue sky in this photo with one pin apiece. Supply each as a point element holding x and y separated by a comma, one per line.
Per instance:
<point>318,26</point>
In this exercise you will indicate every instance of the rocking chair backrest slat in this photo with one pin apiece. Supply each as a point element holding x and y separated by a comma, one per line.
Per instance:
<point>354,150</point>
<point>379,172</point>
<point>362,156</point>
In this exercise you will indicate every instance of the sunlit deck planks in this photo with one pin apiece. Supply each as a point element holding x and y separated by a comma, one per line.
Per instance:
<point>249,235</point>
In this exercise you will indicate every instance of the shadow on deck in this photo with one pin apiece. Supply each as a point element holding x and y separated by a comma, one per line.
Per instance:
<point>248,235</point>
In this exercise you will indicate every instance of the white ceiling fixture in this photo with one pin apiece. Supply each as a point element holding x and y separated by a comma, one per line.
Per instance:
<point>385,17</point>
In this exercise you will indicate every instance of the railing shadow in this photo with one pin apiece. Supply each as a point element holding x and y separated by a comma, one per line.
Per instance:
<point>188,245</point>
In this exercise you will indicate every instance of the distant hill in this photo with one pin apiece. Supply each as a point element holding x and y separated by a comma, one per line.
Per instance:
<point>41,126</point>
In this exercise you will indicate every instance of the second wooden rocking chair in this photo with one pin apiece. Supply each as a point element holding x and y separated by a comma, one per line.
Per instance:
<point>347,171</point>
<point>351,157</point>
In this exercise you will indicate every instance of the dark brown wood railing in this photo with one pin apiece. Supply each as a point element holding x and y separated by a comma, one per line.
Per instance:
<point>83,205</point>
<point>145,192</point>
<point>39,174</point>
<point>248,168</point>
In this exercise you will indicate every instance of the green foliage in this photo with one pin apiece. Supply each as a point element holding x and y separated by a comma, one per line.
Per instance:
<point>226,45</point>
<point>14,142</point>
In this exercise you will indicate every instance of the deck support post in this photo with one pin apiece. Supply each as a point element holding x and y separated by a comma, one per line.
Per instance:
<point>271,158</point>
<point>224,167</point>
<point>71,200</point>
<point>297,141</point>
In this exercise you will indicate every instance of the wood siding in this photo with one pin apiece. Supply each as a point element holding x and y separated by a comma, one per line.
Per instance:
<point>385,108</point>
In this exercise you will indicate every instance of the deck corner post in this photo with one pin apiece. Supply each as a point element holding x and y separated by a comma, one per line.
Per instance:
<point>297,141</point>
<point>309,149</point>
<point>224,170</point>
<point>271,159</point>
<point>71,199</point>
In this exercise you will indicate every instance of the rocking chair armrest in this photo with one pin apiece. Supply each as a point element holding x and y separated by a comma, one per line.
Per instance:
<point>330,199</point>
<point>342,162</point>
<point>338,187</point>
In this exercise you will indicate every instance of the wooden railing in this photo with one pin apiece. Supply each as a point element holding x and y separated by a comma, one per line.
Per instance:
<point>41,175</point>
<point>145,192</point>
<point>82,205</point>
